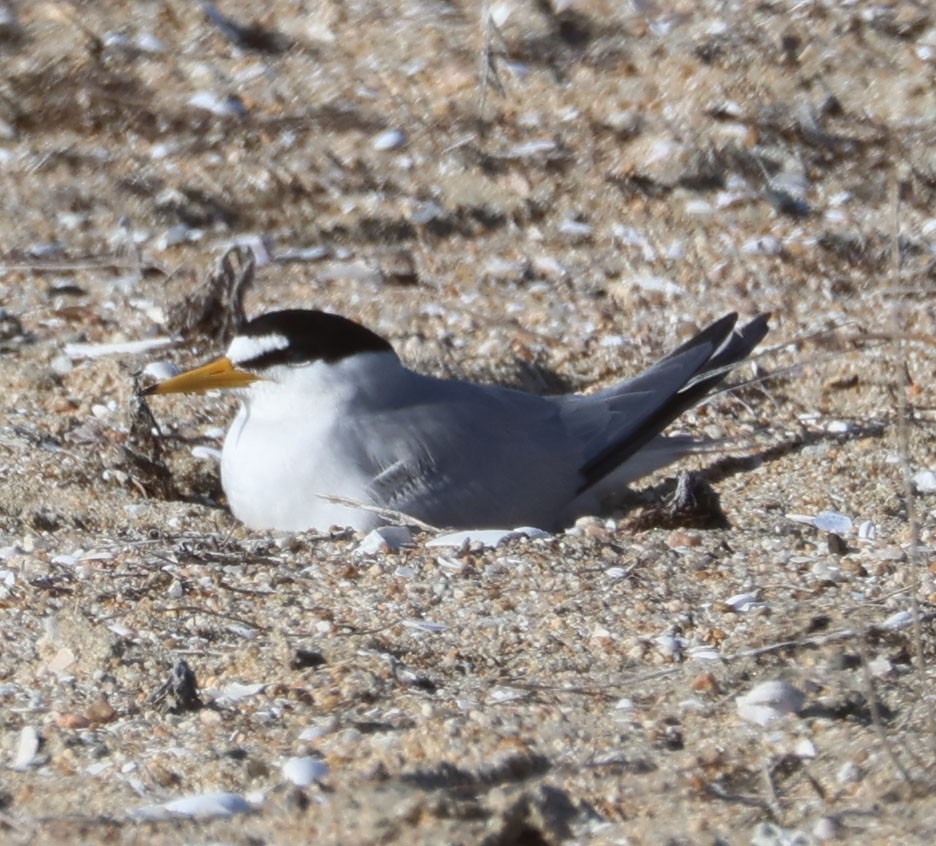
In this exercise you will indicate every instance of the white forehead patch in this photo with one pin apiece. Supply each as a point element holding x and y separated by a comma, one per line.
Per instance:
<point>247,347</point>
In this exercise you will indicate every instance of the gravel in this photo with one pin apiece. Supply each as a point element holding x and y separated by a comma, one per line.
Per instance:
<point>549,203</point>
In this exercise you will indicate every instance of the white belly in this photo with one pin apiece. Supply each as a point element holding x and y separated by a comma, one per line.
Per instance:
<point>277,470</point>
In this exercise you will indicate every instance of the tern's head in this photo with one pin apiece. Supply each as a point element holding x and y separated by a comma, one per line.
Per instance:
<point>276,340</point>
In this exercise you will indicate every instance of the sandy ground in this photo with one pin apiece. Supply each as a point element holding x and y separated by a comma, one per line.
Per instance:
<point>549,200</point>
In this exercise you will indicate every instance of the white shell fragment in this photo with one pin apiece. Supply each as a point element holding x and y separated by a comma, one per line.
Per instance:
<point>769,834</point>
<point>7,581</point>
<point>763,245</point>
<point>159,371</point>
<point>831,521</point>
<point>804,748</point>
<point>741,603</point>
<point>389,139</point>
<point>425,626</point>
<point>769,701</point>
<point>670,646</point>
<point>848,773</point>
<point>77,351</point>
<point>880,666</point>
<point>529,149</point>
<point>657,285</point>
<point>825,521</point>
<point>704,653</point>
<point>27,748</point>
<point>314,732</point>
<point>867,531</point>
<point>575,230</point>
<point>500,13</point>
<point>218,104</point>
<point>898,620</point>
<point>301,254</point>
<point>825,828</point>
<point>236,691</point>
<point>199,807</point>
<point>925,481</point>
<point>501,695</point>
<point>488,538</point>
<point>384,539</point>
<point>304,771</point>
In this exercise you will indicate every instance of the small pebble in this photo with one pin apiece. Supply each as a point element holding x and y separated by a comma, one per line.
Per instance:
<point>880,666</point>
<point>61,365</point>
<point>61,661</point>
<point>100,712</point>
<point>825,828</point>
<point>72,721</point>
<point>836,544</point>
<point>389,139</point>
<point>705,683</point>
<point>670,646</point>
<point>848,773</point>
<point>769,834</point>
<point>682,540</point>
<point>305,771</point>
<point>769,701</point>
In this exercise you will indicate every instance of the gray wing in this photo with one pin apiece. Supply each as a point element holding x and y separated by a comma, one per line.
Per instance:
<point>457,454</point>
<point>472,457</point>
<point>615,424</point>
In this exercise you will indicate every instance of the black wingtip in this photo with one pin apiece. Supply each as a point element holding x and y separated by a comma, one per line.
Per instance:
<point>741,343</point>
<point>715,334</point>
<point>729,346</point>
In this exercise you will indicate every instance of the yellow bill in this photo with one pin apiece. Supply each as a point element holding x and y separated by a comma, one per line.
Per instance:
<point>219,373</point>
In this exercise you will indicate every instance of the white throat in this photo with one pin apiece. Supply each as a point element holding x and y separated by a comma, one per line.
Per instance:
<point>290,442</point>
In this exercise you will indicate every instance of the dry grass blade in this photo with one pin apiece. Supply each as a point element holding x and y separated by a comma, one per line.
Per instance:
<point>389,514</point>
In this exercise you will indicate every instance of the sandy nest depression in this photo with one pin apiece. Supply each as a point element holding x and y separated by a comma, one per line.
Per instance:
<point>550,200</point>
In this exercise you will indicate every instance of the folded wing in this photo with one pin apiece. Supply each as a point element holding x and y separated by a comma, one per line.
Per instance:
<point>625,418</point>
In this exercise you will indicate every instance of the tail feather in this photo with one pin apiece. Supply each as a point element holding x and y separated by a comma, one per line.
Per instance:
<point>671,386</point>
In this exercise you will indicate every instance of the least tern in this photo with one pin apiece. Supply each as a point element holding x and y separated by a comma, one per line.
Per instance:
<point>329,413</point>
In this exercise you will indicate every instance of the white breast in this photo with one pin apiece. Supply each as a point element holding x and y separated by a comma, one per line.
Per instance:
<point>286,452</point>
